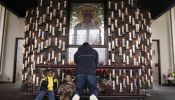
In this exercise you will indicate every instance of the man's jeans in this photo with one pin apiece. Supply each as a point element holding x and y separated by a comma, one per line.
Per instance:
<point>42,93</point>
<point>83,80</point>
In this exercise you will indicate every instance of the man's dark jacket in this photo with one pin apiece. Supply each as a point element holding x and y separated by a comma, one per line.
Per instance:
<point>86,59</point>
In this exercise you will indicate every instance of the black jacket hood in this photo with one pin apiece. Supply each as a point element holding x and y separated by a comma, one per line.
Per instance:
<point>85,48</point>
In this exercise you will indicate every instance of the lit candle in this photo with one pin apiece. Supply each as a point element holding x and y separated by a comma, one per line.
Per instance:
<point>119,13</point>
<point>109,46</point>
<point>126,11</point>
<point>124,58</point>
<point>53,54</point>
<point>123,29</point>
<point>121,89</point>
<point>63,61</point>
<point>130,38</point>
<point>51,15</point>
<point>116,23</point>
<point>42,37</point>
<point>53,31</point>
<point>132,88</point>
<point>136,15</point>
<point>63,76</point>
<point>133,22</point>
<point>50,41</point>
<point>130,72</point>
<point>61,14</point>
<point>113,44</point>
<point>151,79</point>
<point>127,59</point>
<point>109,61</point>
<point>133,48</point>
<point>133,34</point>
<point>34,76</point>
<point>130,53</point>
<point>124,81</point>
<point>120,72</point>
<point>48,56</point>
<point>127,44</point>
<point>59,57</point>
<point>64,31</point>
<point>63,47</point>
<point>115,6</point>
<point>109,5</point>
<point>140,83</point>
<point>47,27</point>
<point>41,59</point>
<point>50,29</point>
<point>149,72</point>
<point>25,76</point>
<point>112,14</point>
<point>117,80</point>
<point>113,73</point>
<point>110,76</point>
<point>130,19</point>
<point>42,45</point>
<point>137,44</point>
<point>149,15</point>
<point>109,21</point>
<point>64,20</point>
<point>116,42</point>
<point>123,17</point>
<point>58,71</point>
<point>37,60</point>
<point>22,77</point>
<point>123,42</point>
<point>54,12</point>
<point>47,10</point>
<point>119,32</point>
<point>127,80</point>
<point>135,61</point>
<point>58,5</point>
<point>37,81</point>
<point>60,27</point>
<point>112,27</point>
<point>51,3</point>
<point>65,4</point>
<point>56,41</point>
<point>27,13</point>
<point>120,51</point>
<point>126,27</point>
<point>60,42</point>
<point>113,85</point>
<point>113,58</point>
<point>55,61</point>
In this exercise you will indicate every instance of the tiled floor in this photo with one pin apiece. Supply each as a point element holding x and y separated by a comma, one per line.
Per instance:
<point>11,91</point>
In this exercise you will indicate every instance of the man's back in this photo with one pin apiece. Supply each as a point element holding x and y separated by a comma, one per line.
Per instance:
<point>86,59</point>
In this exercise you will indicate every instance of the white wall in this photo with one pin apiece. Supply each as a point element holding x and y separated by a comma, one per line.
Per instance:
<point>161,30</point>
<point>14,29</point>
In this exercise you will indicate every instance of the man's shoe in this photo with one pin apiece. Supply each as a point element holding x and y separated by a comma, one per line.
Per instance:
<point>93,97</point>
<point>76,97</point>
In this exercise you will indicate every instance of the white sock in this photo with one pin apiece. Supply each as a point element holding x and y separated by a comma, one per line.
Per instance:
<point>93,97</point>
<point>76,97</point>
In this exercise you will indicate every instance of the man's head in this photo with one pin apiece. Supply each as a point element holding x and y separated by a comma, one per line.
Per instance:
<point>50,73</point>
<point>68,78</point>
<point>85,43</point>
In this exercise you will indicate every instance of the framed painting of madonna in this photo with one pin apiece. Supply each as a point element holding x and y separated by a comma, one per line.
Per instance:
<point>86,23</point>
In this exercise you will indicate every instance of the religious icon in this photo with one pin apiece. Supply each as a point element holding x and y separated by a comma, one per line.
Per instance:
<point>86,24</point>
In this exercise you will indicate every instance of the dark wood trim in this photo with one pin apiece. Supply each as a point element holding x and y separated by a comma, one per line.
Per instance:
<point>159,61</point>
<point>98,67</point>
<point>15,59</point>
